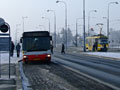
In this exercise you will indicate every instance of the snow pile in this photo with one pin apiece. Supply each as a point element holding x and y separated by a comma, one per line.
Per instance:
<point>106,54</point>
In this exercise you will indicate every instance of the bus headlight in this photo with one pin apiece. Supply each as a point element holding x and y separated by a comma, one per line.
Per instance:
<point>48,55</point>
<point>24,56</point>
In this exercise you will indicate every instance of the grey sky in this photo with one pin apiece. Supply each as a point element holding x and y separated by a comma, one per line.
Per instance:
<point>13,10</point>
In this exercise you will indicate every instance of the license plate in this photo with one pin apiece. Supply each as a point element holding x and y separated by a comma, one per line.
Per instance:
<point>37,59</point>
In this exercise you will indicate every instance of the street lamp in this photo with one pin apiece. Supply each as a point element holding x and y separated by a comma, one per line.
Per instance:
<point>16,32</point>
<point>84,25</point>
<point>108,17</point>
<point>23,22</point>
<point>48,21</point>
<point>54,24</point>
<point>77,29</point>
<point>105,18</point>
<point>89,19</point>
<point>65,17</point>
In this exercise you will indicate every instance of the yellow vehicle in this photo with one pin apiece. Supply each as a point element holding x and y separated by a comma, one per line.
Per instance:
<point>97,43</point>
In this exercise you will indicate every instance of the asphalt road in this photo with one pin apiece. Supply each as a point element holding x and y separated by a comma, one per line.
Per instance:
<point>73,72</point>
<point>104,70</point>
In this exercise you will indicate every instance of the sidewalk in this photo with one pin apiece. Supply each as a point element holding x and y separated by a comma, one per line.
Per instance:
<point>77,50</point>
<point>14,82</point>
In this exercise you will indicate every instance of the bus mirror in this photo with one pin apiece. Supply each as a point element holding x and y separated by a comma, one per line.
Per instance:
<point>20,40</point>
<point>50,37</point>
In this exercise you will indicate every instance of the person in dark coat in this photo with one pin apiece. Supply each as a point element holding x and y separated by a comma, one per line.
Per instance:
<point>94,47</point>
<point>105,48</point>
<point>18,49</point>
<point>12,49</point>
<point>63,49</point>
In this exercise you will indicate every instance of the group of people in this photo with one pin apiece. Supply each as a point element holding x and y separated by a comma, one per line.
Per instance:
<point>17,49</point>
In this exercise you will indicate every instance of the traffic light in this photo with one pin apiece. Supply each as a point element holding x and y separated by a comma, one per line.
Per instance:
<point>4,28</point>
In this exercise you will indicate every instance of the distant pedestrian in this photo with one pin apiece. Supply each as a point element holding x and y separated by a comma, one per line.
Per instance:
<point>94,47</point>
<point>63,49</point>
<point>105,48</point>
<point>18,49</point>
<point>12,49</point>
<point>51,49</point>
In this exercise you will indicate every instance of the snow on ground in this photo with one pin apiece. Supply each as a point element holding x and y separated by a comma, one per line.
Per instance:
<point>4,58</point>
<point>106,54</point>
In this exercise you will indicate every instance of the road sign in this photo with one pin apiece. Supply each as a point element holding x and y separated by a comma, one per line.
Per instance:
<point>4,43</point>
<point>2,22</point>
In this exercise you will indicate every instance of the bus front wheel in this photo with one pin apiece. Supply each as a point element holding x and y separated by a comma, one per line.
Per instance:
<point>26,61</point>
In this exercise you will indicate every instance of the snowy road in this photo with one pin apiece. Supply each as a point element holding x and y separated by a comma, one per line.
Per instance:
<point>54,76</point>
<point>105,70</point>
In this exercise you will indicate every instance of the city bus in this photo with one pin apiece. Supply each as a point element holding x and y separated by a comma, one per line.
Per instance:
<point>97,43</point>
<point>36,46</point>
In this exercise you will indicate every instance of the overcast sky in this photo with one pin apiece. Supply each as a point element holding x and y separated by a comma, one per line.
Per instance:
<point>13,11</point>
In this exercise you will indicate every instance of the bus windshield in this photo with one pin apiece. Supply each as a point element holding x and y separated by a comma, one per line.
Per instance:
<point>103,41</point>
<point>36,43</point>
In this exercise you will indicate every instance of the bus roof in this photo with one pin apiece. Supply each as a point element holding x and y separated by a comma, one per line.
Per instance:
<point>35,33</point>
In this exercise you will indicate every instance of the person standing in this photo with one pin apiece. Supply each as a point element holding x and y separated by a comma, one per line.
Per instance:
<point>63,49</point>
<point>18,49</point>
<point>96,46</point>
<point>12,49</point>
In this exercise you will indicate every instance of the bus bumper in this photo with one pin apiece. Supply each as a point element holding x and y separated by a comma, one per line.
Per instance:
<point>46,57</point>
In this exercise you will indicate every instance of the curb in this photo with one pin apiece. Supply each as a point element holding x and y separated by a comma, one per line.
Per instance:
<point>18,78</point>
<point>25,82</point>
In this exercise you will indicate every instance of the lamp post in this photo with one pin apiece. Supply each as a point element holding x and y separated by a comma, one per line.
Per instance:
<point>16,32</point>
<point>48,21</point>
<point>105,18</point>
<point>65,17</point>
<point>84,49</point>
<point>77,29</point>
<point>54,24</point>
<point>89,19</point>
<point>23,22</point>
<point>108,17</point>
